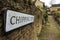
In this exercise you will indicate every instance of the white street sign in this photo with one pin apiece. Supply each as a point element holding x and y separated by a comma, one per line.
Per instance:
<point>16,19</point>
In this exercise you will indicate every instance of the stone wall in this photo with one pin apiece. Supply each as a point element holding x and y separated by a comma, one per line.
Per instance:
<point>39,3</point>
<point>27,32</point>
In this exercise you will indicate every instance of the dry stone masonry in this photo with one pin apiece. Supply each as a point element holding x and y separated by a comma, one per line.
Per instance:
<point>27,32</point>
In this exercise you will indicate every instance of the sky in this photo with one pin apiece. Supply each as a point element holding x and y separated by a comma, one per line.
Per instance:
<point>50,2</point>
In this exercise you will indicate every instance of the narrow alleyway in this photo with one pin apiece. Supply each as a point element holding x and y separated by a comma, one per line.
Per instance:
<point>50,31</point>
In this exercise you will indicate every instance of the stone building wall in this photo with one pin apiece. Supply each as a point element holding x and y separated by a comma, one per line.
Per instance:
<point>27,32</point>
<point>54,8</point>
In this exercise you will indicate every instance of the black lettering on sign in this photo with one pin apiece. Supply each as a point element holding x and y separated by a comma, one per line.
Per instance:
<point>11,20</point>
<point>19,19</point>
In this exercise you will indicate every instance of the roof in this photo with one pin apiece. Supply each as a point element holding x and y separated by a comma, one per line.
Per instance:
<point>56,5</point>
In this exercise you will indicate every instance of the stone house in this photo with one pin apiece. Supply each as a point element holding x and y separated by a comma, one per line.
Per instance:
<point>55,7</point>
